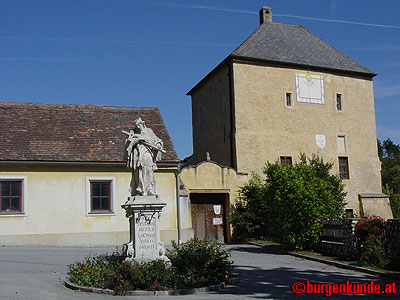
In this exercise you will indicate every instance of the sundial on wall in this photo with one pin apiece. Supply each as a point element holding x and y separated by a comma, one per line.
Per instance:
<point>310,88</point>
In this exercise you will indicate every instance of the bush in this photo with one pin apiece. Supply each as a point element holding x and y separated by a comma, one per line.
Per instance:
<point>92,270</point>
<point>248,214</point>
<point>288,202</point>
<point>201,263</point>
<point>127,276</point>
<point>369,235</point>
<point>373,252</point>
<point>194,264</point>
<point>369,227</point>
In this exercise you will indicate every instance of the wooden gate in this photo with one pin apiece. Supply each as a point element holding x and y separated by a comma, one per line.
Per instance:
<point>209,216</point>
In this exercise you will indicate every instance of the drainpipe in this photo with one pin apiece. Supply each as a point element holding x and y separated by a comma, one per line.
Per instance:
<point>178,204</point>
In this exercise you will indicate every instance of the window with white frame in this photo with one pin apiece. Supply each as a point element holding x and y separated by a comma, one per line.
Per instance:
<point>100,195</point>
<point>12,191</point>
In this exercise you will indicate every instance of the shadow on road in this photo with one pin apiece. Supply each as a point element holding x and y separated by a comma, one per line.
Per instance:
<point>277,282</point>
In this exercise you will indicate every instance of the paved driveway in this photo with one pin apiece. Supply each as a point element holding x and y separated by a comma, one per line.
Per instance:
<point>28,273</point>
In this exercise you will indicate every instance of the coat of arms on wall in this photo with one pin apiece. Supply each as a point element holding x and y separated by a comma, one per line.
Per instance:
<point>320,140</point>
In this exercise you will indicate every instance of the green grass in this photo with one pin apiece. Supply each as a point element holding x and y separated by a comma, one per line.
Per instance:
<point>265,242</point>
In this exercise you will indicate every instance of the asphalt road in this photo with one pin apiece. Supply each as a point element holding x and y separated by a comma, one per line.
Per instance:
<point>33,273</point>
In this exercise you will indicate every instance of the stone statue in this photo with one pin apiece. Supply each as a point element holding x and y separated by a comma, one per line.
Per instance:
<point>143,150</point>
<point>143,208</point>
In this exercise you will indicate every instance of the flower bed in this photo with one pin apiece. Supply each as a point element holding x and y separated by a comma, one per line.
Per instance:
<point>194,264</point>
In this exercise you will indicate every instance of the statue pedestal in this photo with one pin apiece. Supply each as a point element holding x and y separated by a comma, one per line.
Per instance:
<point>144,213</point>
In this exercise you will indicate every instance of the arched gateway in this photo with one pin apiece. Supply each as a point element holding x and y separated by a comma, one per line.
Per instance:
<point>211,189</point>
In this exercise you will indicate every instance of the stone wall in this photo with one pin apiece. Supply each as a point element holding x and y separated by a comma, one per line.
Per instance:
<point>337,238</point>
<point>392,237</point>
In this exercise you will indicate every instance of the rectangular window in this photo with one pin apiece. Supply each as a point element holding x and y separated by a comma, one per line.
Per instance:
<point>349,213</point>
<point>289,99</point>
<point>100,199</point>
<point>100,195</point>
<point>339,102</point>
<point>341,144</point>
<point>286,160</point>
<point>11,197</point>
<point>343,168</point>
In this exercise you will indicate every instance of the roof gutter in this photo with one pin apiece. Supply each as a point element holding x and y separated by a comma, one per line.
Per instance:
<point>280,63</point>
<point>74,163</point>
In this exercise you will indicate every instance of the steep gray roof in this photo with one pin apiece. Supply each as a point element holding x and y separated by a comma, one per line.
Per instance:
<point>293,44</point>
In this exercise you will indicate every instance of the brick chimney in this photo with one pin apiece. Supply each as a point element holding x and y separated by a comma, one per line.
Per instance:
<point>265,15</point>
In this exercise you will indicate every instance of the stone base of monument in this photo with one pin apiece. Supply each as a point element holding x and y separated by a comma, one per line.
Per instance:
<point>144,213</point>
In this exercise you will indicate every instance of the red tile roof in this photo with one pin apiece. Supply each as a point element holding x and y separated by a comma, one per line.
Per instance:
<point>73,133</point>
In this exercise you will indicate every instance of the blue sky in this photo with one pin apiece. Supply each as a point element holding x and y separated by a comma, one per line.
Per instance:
<point>151,53</point>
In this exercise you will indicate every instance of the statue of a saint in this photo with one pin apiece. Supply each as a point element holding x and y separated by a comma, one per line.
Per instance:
<point>143,150</point>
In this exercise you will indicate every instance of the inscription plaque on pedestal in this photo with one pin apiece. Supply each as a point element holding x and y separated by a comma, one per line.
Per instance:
<point>145,244</point>
<point>145,236</point>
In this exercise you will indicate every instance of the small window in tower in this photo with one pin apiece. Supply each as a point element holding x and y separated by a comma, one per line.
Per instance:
<point>339,102</point>
<point>349,213</point>
<point>289,101</point>
<point>344,168</point>
<point>286,160</point>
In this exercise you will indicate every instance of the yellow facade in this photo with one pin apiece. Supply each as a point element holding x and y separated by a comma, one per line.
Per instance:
<point>56,210</point>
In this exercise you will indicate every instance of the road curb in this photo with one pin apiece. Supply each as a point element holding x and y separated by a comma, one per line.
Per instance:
<point>337,264</point>
<point>201,290</point>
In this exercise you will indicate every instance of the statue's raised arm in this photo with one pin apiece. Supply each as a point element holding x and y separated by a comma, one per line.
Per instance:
<point>142,150</point>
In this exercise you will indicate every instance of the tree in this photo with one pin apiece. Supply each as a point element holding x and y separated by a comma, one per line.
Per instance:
<point>389,154</point>
<point>288,202</point>
<point>390,149</point>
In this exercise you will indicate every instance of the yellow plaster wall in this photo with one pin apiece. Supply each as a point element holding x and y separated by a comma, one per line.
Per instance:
<point>211,118</point>
<point>210,177</point>
<point>55,206</point>
<point>266,129</point>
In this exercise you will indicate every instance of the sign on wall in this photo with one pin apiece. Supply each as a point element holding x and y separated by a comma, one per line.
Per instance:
<point>217,221</point>
<point>310,88</point>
